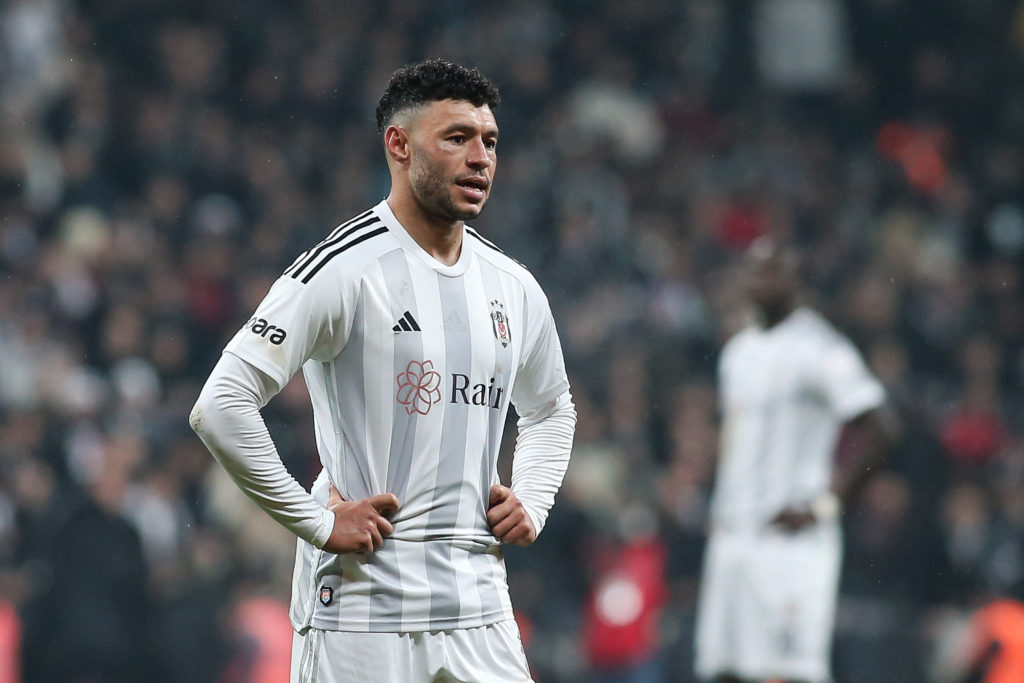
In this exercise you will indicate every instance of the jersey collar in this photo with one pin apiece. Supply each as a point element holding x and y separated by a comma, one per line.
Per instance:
<point>385,213</point>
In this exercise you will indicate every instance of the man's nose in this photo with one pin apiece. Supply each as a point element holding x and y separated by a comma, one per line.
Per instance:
<point>478,156</point>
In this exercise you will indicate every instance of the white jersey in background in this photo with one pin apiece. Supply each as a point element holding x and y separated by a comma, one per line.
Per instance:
<point>411,366</point>
<point>768,596</point>
<point>785,393</point>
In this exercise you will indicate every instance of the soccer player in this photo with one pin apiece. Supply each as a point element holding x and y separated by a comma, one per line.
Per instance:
<point>788,385</point>
<point>414,334</point>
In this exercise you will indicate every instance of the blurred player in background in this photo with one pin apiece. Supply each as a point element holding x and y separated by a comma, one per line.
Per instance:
<point>414,334</point>
<point>788,385</point>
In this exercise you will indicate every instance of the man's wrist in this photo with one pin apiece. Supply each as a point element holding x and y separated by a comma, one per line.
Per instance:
<point>324,528</point>
<point>826,507</point>
<point>536,518</point>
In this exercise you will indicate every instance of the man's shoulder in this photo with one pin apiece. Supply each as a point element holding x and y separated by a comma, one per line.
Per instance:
<point>748,334</point>
<point>496,256</point>
<point>347,249</point>
<point>736,348</point>
<point>811,327</point>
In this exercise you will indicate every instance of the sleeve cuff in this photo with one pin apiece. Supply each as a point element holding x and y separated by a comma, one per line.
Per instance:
<point>535,517</point>
<point>860,402</point>
<point>261,364</point>
<point>324,527</point>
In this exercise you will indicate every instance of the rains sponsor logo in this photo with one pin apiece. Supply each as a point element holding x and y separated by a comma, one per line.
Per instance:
<point>479,394</point>
<point>419,389</point>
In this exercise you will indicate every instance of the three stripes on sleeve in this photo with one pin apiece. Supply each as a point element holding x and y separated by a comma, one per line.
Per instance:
<point>361,228</point>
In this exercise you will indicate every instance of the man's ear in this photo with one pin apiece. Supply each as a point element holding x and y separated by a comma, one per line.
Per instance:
<point>396,142</point>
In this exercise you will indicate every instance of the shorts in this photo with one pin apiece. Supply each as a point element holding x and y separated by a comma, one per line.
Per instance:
<point>486,654</point>
<point>767,605</point>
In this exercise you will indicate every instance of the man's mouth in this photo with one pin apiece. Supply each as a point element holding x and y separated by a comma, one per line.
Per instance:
<point>474,186</point>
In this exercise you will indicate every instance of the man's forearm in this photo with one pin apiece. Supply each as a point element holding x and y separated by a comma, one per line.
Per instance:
<point>873,434</point>
<point>227,418</point>
<point>542,457</point>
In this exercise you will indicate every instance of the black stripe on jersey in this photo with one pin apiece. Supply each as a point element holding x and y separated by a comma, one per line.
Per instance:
<point>489,243</point>
<point>326,242</point>
<point>348,245</point>
<point>492,245</point>
<point>412,321</point>
<point>334,232</point>
<point>347,223</point>
<point>295,262</point>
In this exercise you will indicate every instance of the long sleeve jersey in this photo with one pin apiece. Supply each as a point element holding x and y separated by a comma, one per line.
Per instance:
<point>411,366</point>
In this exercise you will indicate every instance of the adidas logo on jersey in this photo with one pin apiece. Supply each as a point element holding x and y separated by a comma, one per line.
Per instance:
<point>407,323</point>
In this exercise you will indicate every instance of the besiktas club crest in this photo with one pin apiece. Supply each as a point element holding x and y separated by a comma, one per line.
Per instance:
<point>499,321</point>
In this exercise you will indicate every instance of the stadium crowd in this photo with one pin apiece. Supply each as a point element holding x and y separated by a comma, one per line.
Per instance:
<point>161,163</point>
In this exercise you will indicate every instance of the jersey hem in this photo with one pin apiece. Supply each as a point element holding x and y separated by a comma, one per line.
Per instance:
<point>260,364</point>
<point>861,403</point>
<point>446,624</point>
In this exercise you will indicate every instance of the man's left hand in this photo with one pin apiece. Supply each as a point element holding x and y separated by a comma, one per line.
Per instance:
<point>794,519</point>
<point>508,519</point>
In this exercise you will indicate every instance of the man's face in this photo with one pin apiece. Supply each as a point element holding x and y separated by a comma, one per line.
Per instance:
<point>453,147</point>
<point>771,278</point>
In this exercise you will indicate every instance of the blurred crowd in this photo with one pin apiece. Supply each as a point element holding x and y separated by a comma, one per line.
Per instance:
<point>162,162</point>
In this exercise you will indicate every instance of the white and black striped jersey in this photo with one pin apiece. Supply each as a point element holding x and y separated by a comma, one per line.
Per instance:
<point>785,393</point>
<point>411,366</point>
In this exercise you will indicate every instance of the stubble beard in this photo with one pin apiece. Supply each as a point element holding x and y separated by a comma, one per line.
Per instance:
<point>432,191</point>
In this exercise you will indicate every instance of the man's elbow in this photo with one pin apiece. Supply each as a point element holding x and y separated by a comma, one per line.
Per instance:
<point>207,421</point>
<point>880,426</point>
<point>195,418</point>
<point>889,428</point>
<point>204,415</point>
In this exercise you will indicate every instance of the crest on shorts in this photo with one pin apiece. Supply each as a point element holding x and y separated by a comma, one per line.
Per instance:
<point>499,321</point>
<point>326,595</point>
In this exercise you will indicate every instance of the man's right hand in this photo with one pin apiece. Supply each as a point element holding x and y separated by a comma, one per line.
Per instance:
<point>360,526</point>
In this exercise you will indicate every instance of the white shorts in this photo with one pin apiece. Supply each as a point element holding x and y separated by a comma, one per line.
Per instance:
<point>767,605</point>
<point>487,654</point>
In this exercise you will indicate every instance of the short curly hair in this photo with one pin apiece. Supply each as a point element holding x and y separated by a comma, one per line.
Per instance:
<point>430,81</point>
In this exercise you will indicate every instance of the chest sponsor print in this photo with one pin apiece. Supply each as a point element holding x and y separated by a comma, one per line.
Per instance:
<point>419,389</point>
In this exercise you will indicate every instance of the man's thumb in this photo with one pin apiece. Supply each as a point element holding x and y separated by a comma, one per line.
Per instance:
<point>385,503</point>
<point>499,493</point>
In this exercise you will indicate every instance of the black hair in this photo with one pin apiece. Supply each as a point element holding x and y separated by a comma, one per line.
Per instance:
<point>430,81</point>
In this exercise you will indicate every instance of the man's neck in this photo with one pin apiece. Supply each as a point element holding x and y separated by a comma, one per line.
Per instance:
<point>440,238</point>
<point>771,318</point>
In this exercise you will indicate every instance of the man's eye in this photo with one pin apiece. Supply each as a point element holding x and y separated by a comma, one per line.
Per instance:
<point>457,139</point>
<point>491,144</point>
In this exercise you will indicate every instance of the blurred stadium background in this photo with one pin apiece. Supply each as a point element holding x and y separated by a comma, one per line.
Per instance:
<point>161,162</point>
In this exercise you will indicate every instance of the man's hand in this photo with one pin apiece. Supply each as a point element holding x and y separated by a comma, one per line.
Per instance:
<point>360,526</point>
<point>794,519</point>
<point>508,519</point>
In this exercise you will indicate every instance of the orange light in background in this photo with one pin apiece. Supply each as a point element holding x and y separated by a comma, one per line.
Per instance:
<point>919,150</point>
<point>892,139</point>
